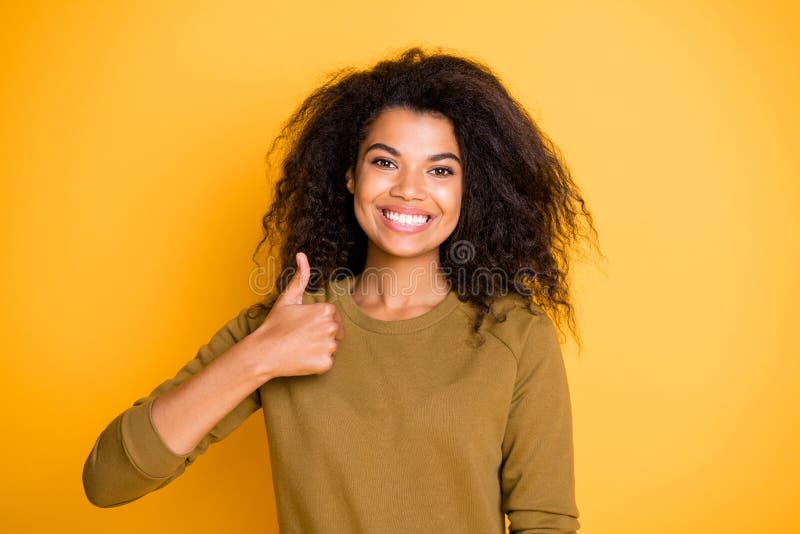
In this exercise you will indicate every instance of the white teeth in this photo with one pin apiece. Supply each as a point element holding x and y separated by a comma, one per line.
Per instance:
<point>411,220</point>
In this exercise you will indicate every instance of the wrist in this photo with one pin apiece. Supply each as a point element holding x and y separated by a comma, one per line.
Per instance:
<point>256,358</point>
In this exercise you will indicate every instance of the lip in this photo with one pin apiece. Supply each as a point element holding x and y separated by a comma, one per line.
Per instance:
<point>402,227</point>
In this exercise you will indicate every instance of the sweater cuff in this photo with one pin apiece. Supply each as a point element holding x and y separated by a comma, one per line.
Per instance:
<point>143,444</point>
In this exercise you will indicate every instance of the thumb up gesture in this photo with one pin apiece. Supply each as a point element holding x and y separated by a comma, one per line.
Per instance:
<point>297,338</point>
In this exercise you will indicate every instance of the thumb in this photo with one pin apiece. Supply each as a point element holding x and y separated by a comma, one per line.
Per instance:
<point>293,294</point>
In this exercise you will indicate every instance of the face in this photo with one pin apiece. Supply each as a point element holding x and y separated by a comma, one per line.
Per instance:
<point>407,183</point>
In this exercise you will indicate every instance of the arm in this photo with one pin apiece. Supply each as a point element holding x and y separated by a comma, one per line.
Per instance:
<point>152,442</point>
<point>537,473</point>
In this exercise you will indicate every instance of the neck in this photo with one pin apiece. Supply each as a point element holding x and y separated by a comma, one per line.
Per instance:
<point>395,283</point>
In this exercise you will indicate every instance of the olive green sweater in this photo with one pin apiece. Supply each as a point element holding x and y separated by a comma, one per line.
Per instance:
<point>415,428</point>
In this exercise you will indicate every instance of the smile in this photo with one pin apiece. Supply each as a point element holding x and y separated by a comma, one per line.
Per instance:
<point>404,223</point>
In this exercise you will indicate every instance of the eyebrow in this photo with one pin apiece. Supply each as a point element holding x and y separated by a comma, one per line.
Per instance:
<point>394,152</point>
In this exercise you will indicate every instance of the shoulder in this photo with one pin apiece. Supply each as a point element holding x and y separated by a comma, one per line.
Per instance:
<point>250,318</point>
<point>329,290</point>
<point>520,324</point>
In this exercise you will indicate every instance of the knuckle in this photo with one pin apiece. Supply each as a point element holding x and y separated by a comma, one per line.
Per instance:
<point>327,362</point>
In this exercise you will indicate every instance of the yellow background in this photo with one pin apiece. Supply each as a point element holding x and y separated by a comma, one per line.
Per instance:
<point>132,138</point>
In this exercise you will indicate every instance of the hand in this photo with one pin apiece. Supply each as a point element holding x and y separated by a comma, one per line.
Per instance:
<point>296,338</point>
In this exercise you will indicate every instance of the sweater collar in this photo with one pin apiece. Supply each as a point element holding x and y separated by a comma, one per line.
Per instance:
<point>340,291</point>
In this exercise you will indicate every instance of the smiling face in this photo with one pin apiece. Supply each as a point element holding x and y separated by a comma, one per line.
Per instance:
<point>407,184</point>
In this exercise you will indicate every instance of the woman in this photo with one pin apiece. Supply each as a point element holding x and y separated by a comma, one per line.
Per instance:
<point>429,220</point>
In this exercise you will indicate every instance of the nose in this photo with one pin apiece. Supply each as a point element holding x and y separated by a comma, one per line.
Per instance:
<point>410,185</point>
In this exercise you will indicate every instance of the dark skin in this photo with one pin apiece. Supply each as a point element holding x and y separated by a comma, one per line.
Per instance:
<point>408,159</point>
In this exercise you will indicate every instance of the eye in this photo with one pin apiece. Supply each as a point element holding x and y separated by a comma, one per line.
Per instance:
<point>380,162</point>
<point>447,171</point>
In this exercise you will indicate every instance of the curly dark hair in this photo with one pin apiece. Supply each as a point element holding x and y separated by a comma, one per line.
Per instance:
<point>520,211</point>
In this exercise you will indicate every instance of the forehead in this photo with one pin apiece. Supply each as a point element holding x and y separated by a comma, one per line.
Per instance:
<point>412,130</point>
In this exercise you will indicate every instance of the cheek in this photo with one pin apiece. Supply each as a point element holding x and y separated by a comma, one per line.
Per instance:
<point>450,199</point>
<point>363,199</point>
<point>361,208</point>
<point>370,186</point>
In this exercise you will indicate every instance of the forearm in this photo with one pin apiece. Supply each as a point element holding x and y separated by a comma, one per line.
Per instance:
<point>183,415</point>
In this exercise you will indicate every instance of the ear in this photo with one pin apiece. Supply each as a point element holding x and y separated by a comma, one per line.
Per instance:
<point>350,181</point>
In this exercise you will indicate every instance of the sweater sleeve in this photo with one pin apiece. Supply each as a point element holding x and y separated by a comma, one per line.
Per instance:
<point>537,472</point>
<point>129,459</point>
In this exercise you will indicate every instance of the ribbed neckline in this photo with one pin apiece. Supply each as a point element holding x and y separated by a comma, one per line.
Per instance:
<point>340,289</point>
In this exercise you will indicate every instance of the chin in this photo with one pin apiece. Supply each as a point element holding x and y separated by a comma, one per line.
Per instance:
<point>407,252</point>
